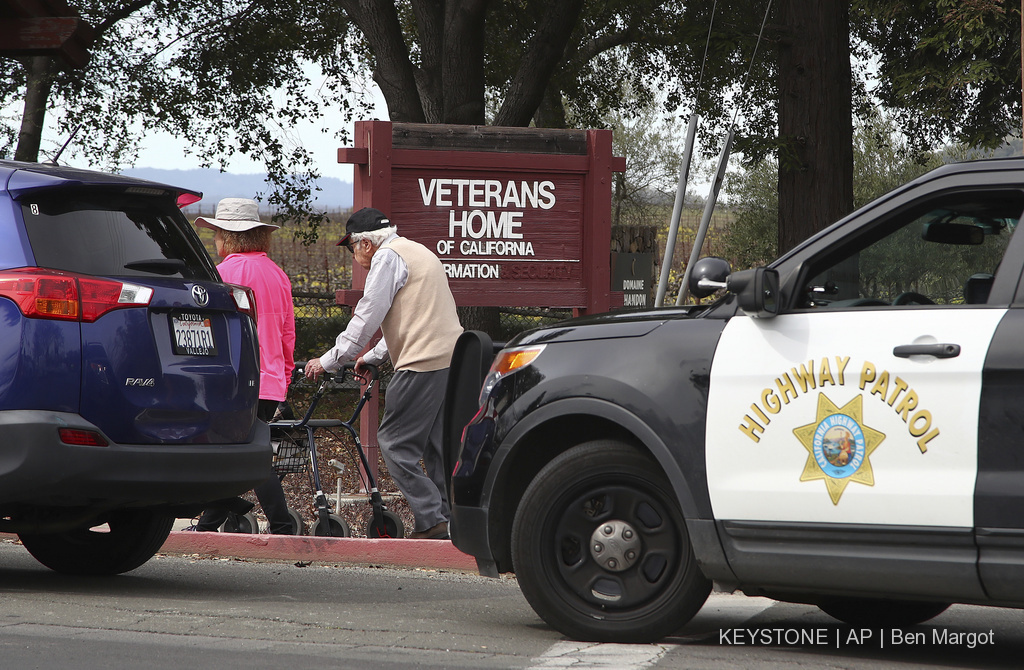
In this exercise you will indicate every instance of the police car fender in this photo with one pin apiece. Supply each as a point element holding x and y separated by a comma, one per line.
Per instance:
<point>812,418</point>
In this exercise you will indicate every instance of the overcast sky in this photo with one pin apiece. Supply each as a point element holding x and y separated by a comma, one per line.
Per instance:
<point>164,151</point>
<point>160,150</point>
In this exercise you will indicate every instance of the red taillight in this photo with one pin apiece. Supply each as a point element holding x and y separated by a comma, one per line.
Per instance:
<point>245,300</point>
<point>84,438</point>
<point>186,199</point>
<point>50,294</point>
<point>52,297</point>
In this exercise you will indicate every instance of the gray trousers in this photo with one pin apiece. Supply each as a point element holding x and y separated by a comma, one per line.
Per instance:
<point>412,431</point>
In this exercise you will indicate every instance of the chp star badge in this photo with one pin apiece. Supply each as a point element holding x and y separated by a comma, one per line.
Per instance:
<point>839,446</point>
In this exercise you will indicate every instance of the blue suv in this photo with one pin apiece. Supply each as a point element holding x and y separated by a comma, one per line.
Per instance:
<point>129,372</point>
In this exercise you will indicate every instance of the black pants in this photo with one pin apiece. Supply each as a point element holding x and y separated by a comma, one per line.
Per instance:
<point>269,493</point>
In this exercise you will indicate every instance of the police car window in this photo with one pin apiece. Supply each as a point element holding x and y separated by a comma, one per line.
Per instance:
<point>944,252</point>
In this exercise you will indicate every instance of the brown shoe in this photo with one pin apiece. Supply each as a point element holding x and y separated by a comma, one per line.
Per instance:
<point>438,532</point>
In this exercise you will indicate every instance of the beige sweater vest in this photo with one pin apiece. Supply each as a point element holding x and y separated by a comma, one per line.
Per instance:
<point>422,325</point>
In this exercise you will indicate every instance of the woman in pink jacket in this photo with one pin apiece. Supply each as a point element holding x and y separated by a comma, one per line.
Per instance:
<point>242,241</point>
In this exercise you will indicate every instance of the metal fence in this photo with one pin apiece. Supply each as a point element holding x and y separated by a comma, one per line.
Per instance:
<point>319,320</point>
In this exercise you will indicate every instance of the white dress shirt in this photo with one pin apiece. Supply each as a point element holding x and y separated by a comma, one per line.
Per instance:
<point>388,273</point>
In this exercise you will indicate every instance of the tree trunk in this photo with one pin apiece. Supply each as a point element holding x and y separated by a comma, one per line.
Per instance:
<point>544,54</point>
<point>393,71</point>
<point>634,239</point>
<point>462,65</point>
<point>485,319</point>
<point>39,80</point>
<point>815,118</point>
<point>430,30</point>
<point>551,112</point>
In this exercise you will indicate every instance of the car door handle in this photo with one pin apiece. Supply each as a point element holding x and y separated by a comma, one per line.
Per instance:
<point>938,350</point>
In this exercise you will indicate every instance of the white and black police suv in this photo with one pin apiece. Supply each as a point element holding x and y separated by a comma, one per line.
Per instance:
<point>843,428</point>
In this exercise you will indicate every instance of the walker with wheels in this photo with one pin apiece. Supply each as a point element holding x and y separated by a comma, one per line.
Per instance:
<point>294,443</point>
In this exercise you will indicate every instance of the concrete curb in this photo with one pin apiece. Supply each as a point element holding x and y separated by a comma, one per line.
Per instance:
<point>436,554</point>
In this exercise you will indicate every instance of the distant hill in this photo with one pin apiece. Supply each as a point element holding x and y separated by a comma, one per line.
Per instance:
<point>335,194</point>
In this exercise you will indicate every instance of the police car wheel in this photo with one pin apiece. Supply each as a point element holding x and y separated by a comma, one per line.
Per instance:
<point>600,547</point>
<point>884,613</point>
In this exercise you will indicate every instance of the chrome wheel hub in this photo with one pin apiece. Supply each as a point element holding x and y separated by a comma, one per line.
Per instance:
<point>615,545</point>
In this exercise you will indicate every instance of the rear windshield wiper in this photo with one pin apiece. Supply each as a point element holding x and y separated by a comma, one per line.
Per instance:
<point>159,266</point>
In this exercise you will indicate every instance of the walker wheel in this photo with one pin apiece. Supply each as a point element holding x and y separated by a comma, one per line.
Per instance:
<point>393,526</point>
<point>337,527</point>
<point>240,523</point>
<point>298,524</point>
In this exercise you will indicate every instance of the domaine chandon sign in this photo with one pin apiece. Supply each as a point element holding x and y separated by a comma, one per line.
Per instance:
<point>518,217</point>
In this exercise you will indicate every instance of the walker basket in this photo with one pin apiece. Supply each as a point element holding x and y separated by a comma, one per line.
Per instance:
<point>291,451</point>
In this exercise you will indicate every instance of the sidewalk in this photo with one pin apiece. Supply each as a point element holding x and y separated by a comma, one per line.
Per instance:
<point>435,554</point>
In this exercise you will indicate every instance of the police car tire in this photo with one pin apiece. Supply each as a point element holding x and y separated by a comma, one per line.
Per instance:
<point>883,613</point>
<point>597,485</point>
<point>131,538</point>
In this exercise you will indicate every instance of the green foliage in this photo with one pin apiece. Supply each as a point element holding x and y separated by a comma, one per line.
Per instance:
<point>230,76</point>
<point>617,56</point>
<point>904,262</point>
<point>315,335</point>
<point>883,159</point>
<point>226,77</point>
<point>653,148</point>
<point>752,239</point>
<point>949,70</point>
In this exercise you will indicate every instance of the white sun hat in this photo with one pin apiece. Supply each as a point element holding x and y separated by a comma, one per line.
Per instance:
<point>236,215</point>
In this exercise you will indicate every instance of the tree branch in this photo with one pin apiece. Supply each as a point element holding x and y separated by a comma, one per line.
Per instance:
<point>120,14</point>
<point>546,51</point>
<point>430,24</point>
<point>394,73</point>
<point>591,48</point>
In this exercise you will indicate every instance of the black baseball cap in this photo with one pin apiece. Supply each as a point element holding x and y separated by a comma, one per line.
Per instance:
<point>363,221</point>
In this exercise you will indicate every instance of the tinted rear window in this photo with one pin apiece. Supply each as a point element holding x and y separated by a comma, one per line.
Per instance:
<point>104,233</point>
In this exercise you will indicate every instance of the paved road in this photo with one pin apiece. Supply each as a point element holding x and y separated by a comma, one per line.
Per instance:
<point>180,612</point>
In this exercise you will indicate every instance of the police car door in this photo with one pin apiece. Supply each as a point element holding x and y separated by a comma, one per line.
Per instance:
<point>845,428</point>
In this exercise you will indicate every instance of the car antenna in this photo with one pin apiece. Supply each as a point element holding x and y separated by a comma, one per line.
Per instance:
<point>65,145</point>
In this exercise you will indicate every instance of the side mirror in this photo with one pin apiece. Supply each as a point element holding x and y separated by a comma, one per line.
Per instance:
<point>757,291</point>
<point>709,274</point>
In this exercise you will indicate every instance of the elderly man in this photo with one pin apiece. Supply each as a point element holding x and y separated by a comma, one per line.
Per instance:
<point>407,296</point>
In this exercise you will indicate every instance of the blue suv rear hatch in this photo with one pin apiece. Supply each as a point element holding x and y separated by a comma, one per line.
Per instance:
<point>141,337</point>
<point>129,372</point>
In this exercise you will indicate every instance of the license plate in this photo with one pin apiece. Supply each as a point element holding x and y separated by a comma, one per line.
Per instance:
<point>193,335</point>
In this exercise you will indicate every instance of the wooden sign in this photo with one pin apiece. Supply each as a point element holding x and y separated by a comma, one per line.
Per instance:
<point>633,274</point>
<point>51,28</point>
<point>519,217</point>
